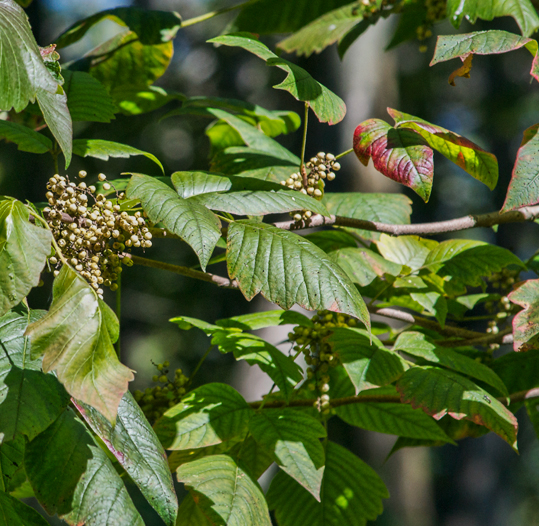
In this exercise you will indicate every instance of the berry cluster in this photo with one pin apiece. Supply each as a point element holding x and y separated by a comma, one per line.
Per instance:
<point>436,11</point>
<point>154,401</point>
<point>321,167</point>
<point>91,230</point>
<point>318,353</point>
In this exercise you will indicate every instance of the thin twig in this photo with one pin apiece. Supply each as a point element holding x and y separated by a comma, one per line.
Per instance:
<point>212,14</point>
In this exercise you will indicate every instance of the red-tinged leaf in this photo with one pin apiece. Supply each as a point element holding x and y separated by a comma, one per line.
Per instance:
<point>483,43</point>
<point>440,392</point>
<point>400,154</point>
<point>526,322</point>
<point>524,187</point>
<point>480,164</point>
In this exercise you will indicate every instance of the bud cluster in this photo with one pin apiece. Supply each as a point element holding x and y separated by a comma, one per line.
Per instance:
<point>154,401</point>
<point>318,353</point>
<point>91,230</point>
<point>320,168</point>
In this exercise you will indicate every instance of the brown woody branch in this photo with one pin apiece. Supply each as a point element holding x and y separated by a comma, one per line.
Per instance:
<point>438,227</point>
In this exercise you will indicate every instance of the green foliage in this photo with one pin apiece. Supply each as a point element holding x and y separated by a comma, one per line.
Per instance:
<point>26,139</point>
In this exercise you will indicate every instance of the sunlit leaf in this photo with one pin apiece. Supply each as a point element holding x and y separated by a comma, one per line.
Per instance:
<point>136,100</point>
<point>411,251</point>
<point>76,339</point>
<point>526,322</point>
<point>186,218</point>
<point>26,139</point>
<point>136,446</point>
<point>352,493</point>
<point>225,492</point>
<point>400,154</point>
<point>287,269</point>
<point>24,248</point>
<point>261,320</point>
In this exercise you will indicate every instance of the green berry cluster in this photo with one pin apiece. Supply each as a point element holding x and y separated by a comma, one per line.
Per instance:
<point>318,353</point>
<point>318,168</point>
<point>91,230</point>
<point>154,401</point>
<point>436,11</point>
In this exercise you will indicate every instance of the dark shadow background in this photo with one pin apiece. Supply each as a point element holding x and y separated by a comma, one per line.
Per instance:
<point>482,481</point>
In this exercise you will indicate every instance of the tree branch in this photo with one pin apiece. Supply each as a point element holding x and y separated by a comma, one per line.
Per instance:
<point>438,227</point>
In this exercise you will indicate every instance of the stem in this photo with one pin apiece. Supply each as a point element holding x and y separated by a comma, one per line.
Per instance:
<point>304,144</point>
<point>199,364</point>
<point>118,311</point>
<point>264,400</point>
<point>54,154</point>
<point>217,12</point>
<point>344,153</point>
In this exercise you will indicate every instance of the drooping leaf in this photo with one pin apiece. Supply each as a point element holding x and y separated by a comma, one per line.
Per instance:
<point>526,322</point>
<point>418,344</point>
<point>209,415</point>
<point>24,248</point>
<point>261,320</point>
<point>101,149</point>
<point>522,11</point>
<point>136,446</point>
<point>469,260</point>
<point>76,339</point>
<point>368,364</point>
<point>363,265</point>
<point>73,477</point>
<point>483,43</point>
<point>327,106</point>
<point>439,392</point>
<point>186,218</point>
<point>400,154</point>
<point>480,164</point>
<point>352,493</point>
<point>87,98</point>
<point>16,513</point>
<point>255,351</point>
<point>30,400</point>
<point>136,100</point>
<point>287,269</point>
<point>411,251</point>
<point>226,494</point>
<point>26,139</point>
<point>151,26</point>
<point>294,439</point>
<point>523,189</point>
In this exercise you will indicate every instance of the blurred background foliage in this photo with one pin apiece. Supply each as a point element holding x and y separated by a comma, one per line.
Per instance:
<point>482,481</point>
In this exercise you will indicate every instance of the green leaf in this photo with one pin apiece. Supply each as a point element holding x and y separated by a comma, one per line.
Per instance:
<point>469,260</point>
<point>254,458</point>
<point>368,365</point>
<point>480,164</point>
<point>331,240</point>
<point>12,473</point>
<point>225,492</point>
<point>287,269</point>
<point>526,322</point>
<point>101,149</point>
<point>518,371</point>
<point>294,439</point>
<point>261,203</point>
<point>151,27</point>
<point>522,11</point>
<point>76,338</point>
<point>400,154</point>
<point>209,415</point>
<point>26,139</point>
<point>16,513</point>
<point>327,106</point>
<point>523,188</point>
<point>87,98</point>
<point>136,447</point>
<point>434,303</point>
<point>255,351</point>
<point>30,400</point>
<point>73,477</point>
<point>136,100</point>
<point>363,265</point>
<point>411,251</point>
<point>261,320</point>
<point>331,27</point>
<point>24,248</point>
<point>194,223</point>
<point>181,456</point>
<point>351,493</point>
<point>129,64</point>
<point>189,184</point>
<point>418,344</point>
<point>439,392</point>
<point>189,514</point>
<point>483,43</point>
<point>254,138</point>
<point>532,408</point>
